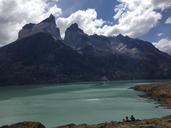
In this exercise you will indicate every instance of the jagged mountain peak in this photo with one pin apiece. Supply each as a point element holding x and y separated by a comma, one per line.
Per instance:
<point>120,36</point>
<point>50,19</point>
<point>28,26</point>
<point>47,26</point>
<point>74,36</point>
<point>75,27</point>
<point>79,57</point>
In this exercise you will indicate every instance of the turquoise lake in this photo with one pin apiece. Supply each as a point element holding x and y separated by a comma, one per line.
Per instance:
<point>88,102</point>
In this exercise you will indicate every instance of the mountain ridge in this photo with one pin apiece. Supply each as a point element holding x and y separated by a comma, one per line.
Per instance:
<point>43,57</point>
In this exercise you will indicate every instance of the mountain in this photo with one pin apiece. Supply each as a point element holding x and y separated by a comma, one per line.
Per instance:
<point>136,56</point>
<point>40,59</point>
<point>40,56</point>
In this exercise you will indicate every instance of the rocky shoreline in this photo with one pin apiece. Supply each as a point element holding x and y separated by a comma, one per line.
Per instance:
<point>164,122</point>
<point>160,92</point>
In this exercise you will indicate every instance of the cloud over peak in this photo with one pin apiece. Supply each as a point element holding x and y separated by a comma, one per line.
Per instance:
<point>15,13</point>
<point>133,18</point>
<point>87,20</point>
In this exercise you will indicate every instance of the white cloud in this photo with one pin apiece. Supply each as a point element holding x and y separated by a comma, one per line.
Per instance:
<point>164,45</point>
<point>87,20</point>
<point>134,18</point>
<point>15,13</point>
<point>161,4</point>
<point>159,34</point>
<point>168,21</point>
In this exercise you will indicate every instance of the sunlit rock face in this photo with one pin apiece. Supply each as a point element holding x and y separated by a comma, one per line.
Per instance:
<point>47,26</point>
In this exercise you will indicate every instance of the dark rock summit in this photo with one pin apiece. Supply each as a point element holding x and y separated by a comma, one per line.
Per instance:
<point>47,26</point>
<point>75,37</point>
<point>50,19</point>
<point>74,28</point>
<point>40,56</point>
<point>28,26</point>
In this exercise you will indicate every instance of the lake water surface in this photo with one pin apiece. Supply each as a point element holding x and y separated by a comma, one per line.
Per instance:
<point>91,102</point>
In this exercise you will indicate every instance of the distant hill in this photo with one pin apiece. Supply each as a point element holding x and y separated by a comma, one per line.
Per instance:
<point>40,56</point>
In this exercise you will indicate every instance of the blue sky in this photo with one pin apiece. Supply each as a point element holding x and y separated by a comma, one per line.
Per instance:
<point>161,27</point>
<point>103,8</point>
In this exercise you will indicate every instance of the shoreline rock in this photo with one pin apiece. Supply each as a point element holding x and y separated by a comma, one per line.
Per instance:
<point>160,92</point>
<point>164,122</point>
<point>25,125</point>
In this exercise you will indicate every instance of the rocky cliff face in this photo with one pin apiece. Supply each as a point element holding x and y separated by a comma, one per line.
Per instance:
<point>77,39</point>
<point>48,26</point>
